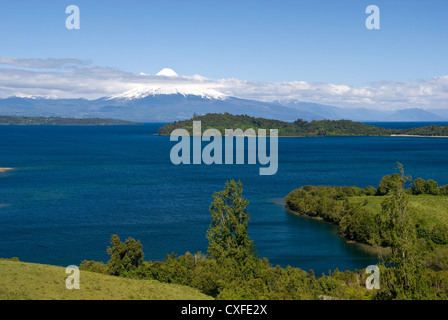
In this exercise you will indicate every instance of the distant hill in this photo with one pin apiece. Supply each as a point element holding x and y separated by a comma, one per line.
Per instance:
<point>156,107</point>
<point>414,114</point>
<point>298,128</point>
<point>18,120</point>
<point>321,112</point>
<point>171,104</point>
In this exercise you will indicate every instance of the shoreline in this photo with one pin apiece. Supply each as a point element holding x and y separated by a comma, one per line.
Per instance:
<point>362,246</point>
<point>392,135</point>
<point>417,136</point>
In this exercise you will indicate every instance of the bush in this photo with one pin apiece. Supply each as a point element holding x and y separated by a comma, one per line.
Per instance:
<point>388,183</point>
<point>419,186</point>
<point>93,266</point>
<point>370,191</point>
<point>124,257</point>
<point>432,187</point>
<point>443,190</point>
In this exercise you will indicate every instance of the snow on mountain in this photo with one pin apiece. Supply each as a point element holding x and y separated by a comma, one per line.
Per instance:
<point>143,92</point>
<point>167,72</point>
<point>167,97</point>
<point>170,89</point>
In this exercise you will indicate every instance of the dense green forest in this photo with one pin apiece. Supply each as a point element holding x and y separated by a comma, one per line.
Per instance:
<point>19,120</point>
<point>299,127</point>
<point>359,211</point>
<point>231,268</point>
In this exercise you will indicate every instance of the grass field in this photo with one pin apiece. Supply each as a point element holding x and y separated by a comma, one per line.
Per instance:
<point>30,281</point>
<point>430,210</point>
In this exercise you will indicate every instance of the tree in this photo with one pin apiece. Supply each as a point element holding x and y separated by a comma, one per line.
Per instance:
<point>432,187</point>
<point>443,190</point>
<point>403,279</point>
<point>369,191</point>
<point>418,187</point>
<point>227,234</point>
<point>124,257</point>
<point>388,183</point>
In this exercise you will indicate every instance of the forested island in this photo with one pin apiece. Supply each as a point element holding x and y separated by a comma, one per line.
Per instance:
<point>60,121</point>
<point>299,128</point>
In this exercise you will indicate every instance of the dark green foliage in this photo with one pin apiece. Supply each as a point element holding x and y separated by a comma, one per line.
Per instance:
<point>94,266</point>
<point>298,128</point>
<point>315,128</point>
<point>125,256</point>
<point>418,187</point>
<point>404,277</point>
<point>438,282</point>
<point>432,130</point>
<point>332,204</point>
<point>432,187</point>
<point>370,191</point>
<point>437,259</point>
<point>387,183</point>
<point>438,234</point>
<point>443,190</point>
<point>227,235</point>
<point>358,224</point>
<point>174,269</point>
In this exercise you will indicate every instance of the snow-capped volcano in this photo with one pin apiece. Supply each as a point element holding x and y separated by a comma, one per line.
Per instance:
<point>143,92</point>
<point>176,86</point>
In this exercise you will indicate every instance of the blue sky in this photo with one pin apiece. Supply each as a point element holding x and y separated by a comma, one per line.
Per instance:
<point>272,41</point>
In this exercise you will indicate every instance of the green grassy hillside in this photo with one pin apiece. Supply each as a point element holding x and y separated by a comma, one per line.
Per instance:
<point>359,212</point>
<point>428,209</point>
<point>19,280</point>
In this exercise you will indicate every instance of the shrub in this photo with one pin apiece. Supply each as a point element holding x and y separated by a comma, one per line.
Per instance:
<point>432,187</point>
<point>93,266</point>
<point>419,186</point>
<point>124,257</point>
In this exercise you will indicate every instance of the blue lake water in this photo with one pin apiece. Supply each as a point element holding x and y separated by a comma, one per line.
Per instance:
<point>73,187</point>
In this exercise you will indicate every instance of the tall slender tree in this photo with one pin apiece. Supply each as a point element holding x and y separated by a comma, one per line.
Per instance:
<point>227,234</point>
<point>403,270</point>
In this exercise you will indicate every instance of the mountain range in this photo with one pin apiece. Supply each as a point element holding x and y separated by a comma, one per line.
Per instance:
<point>171,103</point>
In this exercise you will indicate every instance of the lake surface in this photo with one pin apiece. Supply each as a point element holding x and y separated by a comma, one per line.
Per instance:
<point>73,187</point>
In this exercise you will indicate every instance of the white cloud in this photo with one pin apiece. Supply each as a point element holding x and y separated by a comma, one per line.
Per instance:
<point>72,78</point>
<point>43,63</point>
